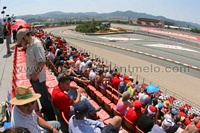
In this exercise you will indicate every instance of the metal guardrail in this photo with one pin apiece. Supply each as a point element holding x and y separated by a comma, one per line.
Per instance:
<point>139,78</point>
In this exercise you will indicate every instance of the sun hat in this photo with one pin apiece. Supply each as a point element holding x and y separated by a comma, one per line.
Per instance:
<point>151,110</point>
<point>168,122</point>
<point>24,96</point>
<point>166,103</point>
<point>20,34</point>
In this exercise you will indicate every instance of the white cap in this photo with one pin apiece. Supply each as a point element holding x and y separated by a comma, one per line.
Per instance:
<point>168,122</point>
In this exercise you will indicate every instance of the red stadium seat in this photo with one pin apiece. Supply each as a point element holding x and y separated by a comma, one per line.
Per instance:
<point>109,95</point>
<point>98,96</point>
<point>107,121</point>
<point>128,124</point>
<point>102,90</point>
<point>109,107</point>
<point>19,75</point>
<point>115,112</point>
<point>97,86</point>
<point>20,82</point>
<point>51,83</point>
<point>102,115</point>
<point>91,90</point>
<point>115,99</point>
<point>115,92</point>
<point>137,130</point>
<point>50,77</point>
<point>50,90</point>
<point>64,118</point>
<point>94,104</point>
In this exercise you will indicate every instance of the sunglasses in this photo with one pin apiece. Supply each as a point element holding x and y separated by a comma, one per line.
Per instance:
<point>31,103</point>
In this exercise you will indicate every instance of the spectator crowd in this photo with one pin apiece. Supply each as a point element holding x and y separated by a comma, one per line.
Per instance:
<point>74,69</point>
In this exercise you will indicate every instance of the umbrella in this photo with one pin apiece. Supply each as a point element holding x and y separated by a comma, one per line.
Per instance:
<point>152,88</point>
<point>20,20</point>
<point>17,25</point>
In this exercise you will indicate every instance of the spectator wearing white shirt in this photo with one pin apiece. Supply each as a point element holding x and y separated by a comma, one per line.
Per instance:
<point>82,66</point>
<point>88,61</point>
<point>78,62</point>
<point>92,74</point>
<point>24,115</point>
<point>58,48</point>
<point>50,55</point>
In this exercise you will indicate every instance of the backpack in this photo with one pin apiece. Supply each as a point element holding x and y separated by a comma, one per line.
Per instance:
<point>5,32</point>
<point>4,115</point>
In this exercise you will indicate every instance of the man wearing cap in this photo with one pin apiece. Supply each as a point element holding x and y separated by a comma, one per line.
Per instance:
<point>23,113</point>
<point>78,123</point>
<point>174,128</point>
<point>35,61</point>
<point>50,55</point>
<point>134,113</point>
<point>145,121</point>
<point>166,124</point>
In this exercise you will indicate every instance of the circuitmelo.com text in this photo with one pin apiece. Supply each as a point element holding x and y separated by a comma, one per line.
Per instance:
<point>153,69</point>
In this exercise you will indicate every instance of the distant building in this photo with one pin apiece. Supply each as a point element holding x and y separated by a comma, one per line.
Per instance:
<point>105,25</point>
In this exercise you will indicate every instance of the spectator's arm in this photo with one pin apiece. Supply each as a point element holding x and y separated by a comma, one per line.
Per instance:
<point>46,125</point>
<point>78,98</point>
<point>156,116</point>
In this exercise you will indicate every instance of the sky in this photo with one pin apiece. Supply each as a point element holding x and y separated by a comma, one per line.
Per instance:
<point>184,10</point>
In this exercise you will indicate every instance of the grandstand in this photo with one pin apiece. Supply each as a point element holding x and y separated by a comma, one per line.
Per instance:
<point>150,22</point>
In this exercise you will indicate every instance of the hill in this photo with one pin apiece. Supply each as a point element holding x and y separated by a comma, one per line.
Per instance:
<point>117,15</point>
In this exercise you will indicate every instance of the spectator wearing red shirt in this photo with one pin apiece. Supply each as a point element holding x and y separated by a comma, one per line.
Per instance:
<point>182,111</point>
<point>134,113</point>
<point>116,80</point>
<point>61,100</point>
<point>60,42</point>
